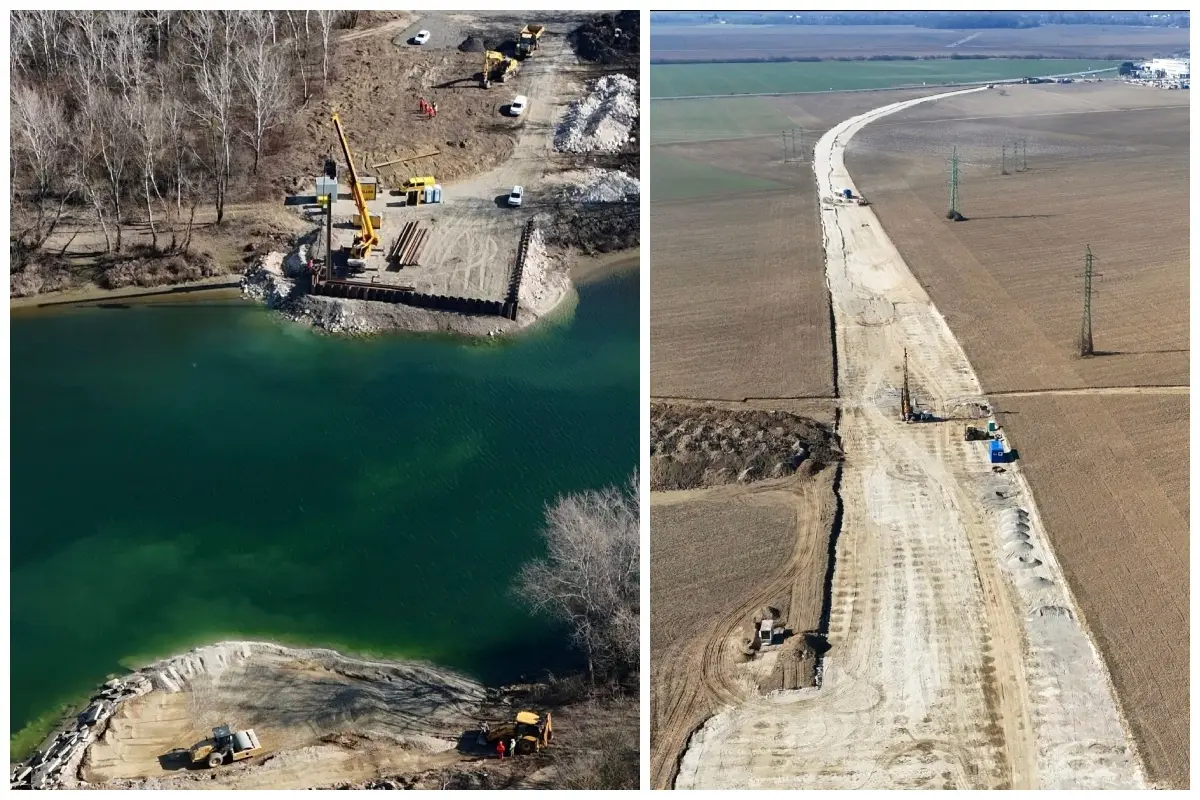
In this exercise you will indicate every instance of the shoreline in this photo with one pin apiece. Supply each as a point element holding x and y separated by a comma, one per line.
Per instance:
<point>322,312</point>
<point>60,756</point>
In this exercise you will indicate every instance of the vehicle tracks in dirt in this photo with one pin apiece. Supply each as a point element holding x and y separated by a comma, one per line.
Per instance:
<point>959,658</point>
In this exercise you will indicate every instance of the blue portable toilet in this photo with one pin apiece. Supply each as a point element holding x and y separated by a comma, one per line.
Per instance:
<point>997,452</point>
<point>847,194</point>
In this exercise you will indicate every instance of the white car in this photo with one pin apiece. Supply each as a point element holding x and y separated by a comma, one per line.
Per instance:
<point>517,106</point>
<point>421,38</point>
<point>514,197</point>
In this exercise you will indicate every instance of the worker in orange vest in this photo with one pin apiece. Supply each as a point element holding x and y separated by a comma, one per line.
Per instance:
<point>500,749</point>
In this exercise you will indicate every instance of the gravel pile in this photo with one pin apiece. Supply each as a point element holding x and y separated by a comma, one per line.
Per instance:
<point>603,120</point>
<point>601,186</point>
<point>543,281</point>
<point>692,447</point>
<point>265,281</point>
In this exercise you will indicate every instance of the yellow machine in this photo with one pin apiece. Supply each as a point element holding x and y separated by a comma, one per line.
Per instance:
<point>418,183</point>
<point>367,236</point>
<point>527,39</point>
<point>497,67</point>
<point>225,747</point>
<point>531,731</point>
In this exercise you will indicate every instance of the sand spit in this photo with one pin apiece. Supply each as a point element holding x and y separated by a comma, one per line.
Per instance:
<point>322,718</point>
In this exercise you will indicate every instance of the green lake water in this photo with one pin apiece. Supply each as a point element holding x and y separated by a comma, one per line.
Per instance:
<point>190,472</point>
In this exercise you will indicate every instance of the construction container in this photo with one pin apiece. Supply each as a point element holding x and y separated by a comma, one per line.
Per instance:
<point>376,220</point>
<point>370,187</point>
<point>991,426</point>
<point>997,452</point>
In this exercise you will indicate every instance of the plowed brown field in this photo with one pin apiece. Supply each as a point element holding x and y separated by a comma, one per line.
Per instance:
<point>1107,167</point>
<point>717,556</point>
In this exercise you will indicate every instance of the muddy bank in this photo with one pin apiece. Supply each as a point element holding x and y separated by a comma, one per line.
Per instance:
<point>321,717</point>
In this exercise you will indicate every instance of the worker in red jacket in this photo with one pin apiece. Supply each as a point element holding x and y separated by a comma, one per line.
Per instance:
<point>500,749</point>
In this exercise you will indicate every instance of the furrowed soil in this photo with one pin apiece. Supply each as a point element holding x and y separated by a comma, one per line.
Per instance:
<point>1107,166</point>
<point>739,305</point>
<point>716,557</point>
<point>708,42</point>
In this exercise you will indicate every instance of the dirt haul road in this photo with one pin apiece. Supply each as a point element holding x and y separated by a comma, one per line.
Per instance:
<point>474,235</point>
<point>958,656</point>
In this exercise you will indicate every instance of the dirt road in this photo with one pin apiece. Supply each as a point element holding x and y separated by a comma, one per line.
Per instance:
<point>474,233</point>
<point>959,658</point>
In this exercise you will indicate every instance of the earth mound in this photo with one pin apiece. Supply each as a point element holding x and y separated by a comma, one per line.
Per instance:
<point>693,447</point>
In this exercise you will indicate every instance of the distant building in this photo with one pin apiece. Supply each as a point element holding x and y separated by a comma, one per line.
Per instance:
<point>1172,68</point>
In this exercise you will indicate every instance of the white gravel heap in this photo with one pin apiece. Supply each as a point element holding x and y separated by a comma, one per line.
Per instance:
<point>600,186</point>
<point>265,281</point>
<point>543,279</point>
<point>602,121</point>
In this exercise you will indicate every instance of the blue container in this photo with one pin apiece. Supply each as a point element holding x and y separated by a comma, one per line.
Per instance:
<point>997,452</point>
<point>847,194</point>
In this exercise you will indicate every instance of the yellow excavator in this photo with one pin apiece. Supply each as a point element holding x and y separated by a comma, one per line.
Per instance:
<point>532,731</point>
<point>367,236</point>
<point>498,67</point>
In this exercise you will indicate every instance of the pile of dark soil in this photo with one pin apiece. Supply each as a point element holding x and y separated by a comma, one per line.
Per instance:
<point>158,270</point>
<point>472,44</point>
<point>609,39</point>
<point>596,227</point>
<point>692,447</point>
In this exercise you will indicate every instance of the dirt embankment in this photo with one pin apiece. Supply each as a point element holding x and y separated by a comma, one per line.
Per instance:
<point>324,720</point>
<point>692,447</point>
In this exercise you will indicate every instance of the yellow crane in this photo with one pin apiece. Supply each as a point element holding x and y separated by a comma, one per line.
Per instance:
<point>367,236</point>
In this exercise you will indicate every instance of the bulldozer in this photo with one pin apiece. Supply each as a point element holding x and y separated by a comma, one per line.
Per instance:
<point>225,746</point>
<point>532,731</point>
<point>497,67</point>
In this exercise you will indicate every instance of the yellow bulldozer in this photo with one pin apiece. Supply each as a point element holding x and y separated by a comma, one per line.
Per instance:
<point>497,67</point>
<point>225,746</point>
<point>532,731</point>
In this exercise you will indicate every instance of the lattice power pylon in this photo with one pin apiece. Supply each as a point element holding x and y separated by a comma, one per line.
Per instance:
<point>792,142</point>
<point>953,212</point>
<point>1085,331</point>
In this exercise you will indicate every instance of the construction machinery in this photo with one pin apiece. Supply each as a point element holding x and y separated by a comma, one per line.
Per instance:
<point>532,732</point>
<point>527,39</point>
<point>225,747</point>
<point>367,236</point>
<point>908,409</point>
<point>973,434</point>
<point>497,67</point>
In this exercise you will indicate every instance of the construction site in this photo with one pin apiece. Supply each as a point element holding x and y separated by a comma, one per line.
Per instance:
<point>251,715</point>
<point>950,288</point>
<point>395,244</point>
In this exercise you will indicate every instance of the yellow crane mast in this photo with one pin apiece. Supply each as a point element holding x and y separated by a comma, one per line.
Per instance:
<point>367,237</point>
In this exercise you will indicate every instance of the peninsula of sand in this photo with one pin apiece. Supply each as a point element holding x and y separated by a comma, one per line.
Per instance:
<point>323,719</point>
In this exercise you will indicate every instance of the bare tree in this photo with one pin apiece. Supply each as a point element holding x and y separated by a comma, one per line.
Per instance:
<point>589,577</point>
<point>210,37</point>
<point>264,77</point>
<point>146,115</point>
<point>326,17</point>
<point>300,46</point>
<point>113,141</point>
<point>39,134</point>
<point>125,47</point>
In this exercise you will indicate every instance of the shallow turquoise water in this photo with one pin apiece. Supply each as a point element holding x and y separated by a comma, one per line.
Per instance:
<point>193,472</point>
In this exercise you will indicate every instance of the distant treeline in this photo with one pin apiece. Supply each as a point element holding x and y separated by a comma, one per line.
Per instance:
<point>931,19</point>
<point>785,59</point>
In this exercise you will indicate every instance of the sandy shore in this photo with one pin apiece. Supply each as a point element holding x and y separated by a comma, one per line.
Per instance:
<point>322,718</point>
<point>216,287</point>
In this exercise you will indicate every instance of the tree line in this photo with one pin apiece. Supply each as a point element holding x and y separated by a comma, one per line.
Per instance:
<point>151,112</point>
